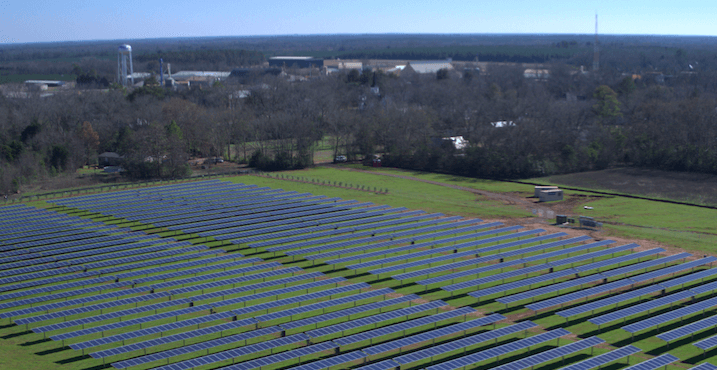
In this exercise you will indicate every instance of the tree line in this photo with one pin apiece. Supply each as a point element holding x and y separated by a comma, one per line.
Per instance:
<point>516,127</point>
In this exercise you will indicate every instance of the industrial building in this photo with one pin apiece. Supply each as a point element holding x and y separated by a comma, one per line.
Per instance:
<point>298,62</point>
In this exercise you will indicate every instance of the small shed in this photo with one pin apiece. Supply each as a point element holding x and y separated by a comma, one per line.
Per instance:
<point>538,189</point>
<point>550,195</point>
<point>110,159</point>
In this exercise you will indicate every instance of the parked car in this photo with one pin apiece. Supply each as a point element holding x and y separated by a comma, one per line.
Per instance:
<point>340,158</point>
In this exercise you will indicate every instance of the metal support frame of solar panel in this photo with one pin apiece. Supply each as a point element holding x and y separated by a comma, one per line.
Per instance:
<point>603,359</point>
<point>492,353</point>
<point>256,363</point>
<point>614,300</point>
<point>522,261</point>
<point>118,303</point>
<point>354,235</point>
<point>204,331</point>
<point>196,321</point>
<point>556,288</point>
<point>551,354</point>
<point>281,236</point>
<point>195,299</point>
<point>331,215</point>
<point>205,227</point>
<point>603,288</point>
<point>655,363</point>
<point>426,272</point>
<point>351,215</point>
<point>503,288</point>
<point>646,306</point>
<point>679,313</point>
<point>433,244</point>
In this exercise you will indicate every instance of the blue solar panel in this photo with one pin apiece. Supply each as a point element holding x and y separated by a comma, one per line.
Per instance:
<point>202,346</point>
<point>704,366</point>
<point>671,315</point>
<point>375,320</point>
<point>689,329</point>
<point>550,355</point>
<point>655,362</point>
<point>327,317</point>
<point>503,288</point>
<point>604,358</point>
<point>494,352</point>
<point>353,358</point>
<point>284,356</point>
<point>432,335</point>
<point>102,317</point>
<point>383,365</point>
<point>706,344</point>
<point>402,327</point>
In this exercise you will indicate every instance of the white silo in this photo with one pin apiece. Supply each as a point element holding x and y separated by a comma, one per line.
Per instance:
<point>124,52</point>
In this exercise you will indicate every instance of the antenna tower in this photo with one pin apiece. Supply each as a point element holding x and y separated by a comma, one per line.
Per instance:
<point>596,50</point>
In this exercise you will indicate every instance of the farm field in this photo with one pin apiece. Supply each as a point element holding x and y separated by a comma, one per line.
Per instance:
<point>238,273</point>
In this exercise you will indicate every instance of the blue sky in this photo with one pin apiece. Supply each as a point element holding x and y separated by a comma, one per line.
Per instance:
<point>71,20</point>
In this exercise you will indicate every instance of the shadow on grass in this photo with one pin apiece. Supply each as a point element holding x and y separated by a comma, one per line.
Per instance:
<point>52,350</point>
<point>75,359</point>
<point>34,342</point>
<point>7,326</point>
<point>15,335</point>
<point>695,359</point>
<point>99,367</point>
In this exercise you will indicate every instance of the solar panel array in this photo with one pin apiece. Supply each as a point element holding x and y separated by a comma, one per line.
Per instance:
<point>135,299</point>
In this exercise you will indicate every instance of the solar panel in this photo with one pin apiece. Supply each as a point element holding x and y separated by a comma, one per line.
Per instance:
<point>434,334</point>
<point>475,283</point>
<point>550,355</point>
<point>402,327</point>
<point>655,362</point>
<point>353,358</point>
<point>324,318</point>
<point>706,344</point>
<point>243,351</point>
<point>554,288</point>
<point>689,329</point>
<point>432,244</point>
<point>187,349</point>
<point>494,352</point>
<point>383,365</point>
<point>636,309</point>
<point>671,315</point>
<point>604,358</point>
<point>102,317</point>
<point>503,288</point>
<point>375,320</point>
<point>704,366</point>
<point>282,357</point>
